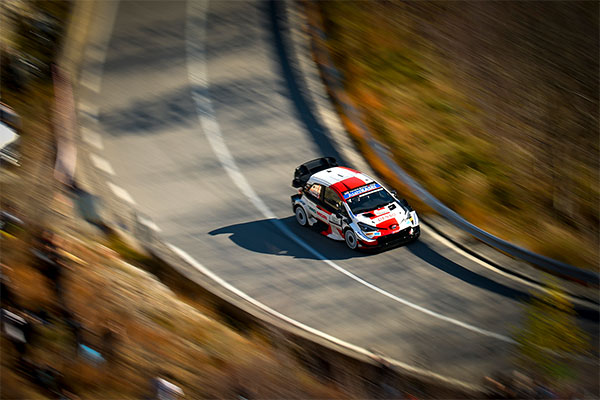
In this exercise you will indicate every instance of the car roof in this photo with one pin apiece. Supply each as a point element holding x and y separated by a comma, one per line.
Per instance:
<point>341,179</point>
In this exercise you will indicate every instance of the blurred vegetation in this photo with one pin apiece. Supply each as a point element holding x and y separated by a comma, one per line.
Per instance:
<point>32,33</point>
<point>550,336</point>
<point>492,106</point>
<point>156,333</point>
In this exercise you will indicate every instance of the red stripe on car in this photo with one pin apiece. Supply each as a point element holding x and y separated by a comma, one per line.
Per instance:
<point>339,188</point>
<point>352,182</point>
<point>387,224</point>
<point>327,232</point>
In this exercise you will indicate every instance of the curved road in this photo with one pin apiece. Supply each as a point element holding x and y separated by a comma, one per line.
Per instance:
<point>198,129</point>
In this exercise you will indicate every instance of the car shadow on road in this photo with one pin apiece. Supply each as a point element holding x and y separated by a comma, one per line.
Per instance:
<point>285,237</point>
<point>435,259</point>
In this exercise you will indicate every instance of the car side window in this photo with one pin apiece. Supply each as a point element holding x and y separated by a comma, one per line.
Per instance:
<point>332,199</point>
<point>315,191</point>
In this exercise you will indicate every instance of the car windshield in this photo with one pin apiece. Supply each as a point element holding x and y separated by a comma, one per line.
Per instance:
<point>369,201</point>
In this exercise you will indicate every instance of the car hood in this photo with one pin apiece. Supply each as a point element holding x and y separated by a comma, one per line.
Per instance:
<point>392,217</point>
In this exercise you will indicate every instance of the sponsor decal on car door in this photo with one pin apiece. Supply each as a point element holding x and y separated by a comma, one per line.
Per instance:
<point>323,214</point>
<point>332,202</point>
<point>313,197</point>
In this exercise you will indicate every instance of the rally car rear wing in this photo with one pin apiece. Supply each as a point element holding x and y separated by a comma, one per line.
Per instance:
<point>306,170</point>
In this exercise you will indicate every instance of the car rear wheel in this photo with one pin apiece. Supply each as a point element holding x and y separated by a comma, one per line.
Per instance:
<point>351,239</point>
<point>301,217</point>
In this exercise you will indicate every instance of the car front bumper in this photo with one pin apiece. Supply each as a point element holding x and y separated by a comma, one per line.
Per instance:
<point>394,239</point>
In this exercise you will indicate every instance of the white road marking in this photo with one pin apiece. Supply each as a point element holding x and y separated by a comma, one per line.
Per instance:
<point>199,78</point>
<point>149,223</point>
<point>91,79</point>
<point>120,192</point>
<point>88,109</point>
<point>102,164</point>
<point>92,138</point>
<point>190,260</point>
<point>95,54</point>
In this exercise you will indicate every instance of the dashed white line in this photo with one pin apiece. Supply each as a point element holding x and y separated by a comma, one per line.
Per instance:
<point>89,109</point>
<point>92,138</point>
<point>199,77</point>
<point>91,79</point>
<point>121,193</point>
<point>102,164</point>
<point>95,54</point>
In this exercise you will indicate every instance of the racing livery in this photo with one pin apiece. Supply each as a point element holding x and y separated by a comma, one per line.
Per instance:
<point>348,205</point>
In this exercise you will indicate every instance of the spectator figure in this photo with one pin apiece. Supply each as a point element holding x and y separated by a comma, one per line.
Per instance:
<point>75,327</point>
<point>543,391</point>
<point>42,316</point>
<point>12,78</point>
<point>18,330</point>
<point>162,389</point>
<point>110,339</point>
<point>93,356</point>
<point>10,224</point>
<point>385,385</point>
<point>53,271</point>
<point>48,378</point>
<point>46,241</point>
<point>8,297</point>
<point>49,263</point>
<point>81,347</point>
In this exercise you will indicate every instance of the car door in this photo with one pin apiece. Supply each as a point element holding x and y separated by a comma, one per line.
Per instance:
<point>313,196</point>
<point>332,205</point>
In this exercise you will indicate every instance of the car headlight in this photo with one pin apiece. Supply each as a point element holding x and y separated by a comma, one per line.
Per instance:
<point>366,228</point>
<point>414,219</point>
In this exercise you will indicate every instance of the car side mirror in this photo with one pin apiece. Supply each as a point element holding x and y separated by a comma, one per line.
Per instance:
<point>393,192</point>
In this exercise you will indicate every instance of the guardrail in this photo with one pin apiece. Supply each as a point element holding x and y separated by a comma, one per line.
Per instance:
<point>334,80</point>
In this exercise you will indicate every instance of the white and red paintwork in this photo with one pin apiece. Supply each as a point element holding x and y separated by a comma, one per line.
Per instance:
<point>388,220</point>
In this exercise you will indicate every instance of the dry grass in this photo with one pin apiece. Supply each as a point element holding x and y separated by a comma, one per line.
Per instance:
<point>471,110</point>
<point>157,332</point>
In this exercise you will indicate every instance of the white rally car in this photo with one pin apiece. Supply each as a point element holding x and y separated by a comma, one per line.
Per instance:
<point>348,205</point>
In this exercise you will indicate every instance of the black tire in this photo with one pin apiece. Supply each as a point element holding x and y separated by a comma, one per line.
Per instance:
<point>301,216</point>
<point>416,237</point>
<point>351,239</point>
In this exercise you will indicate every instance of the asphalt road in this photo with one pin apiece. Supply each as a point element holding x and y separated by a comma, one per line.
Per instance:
<point>199,127</point>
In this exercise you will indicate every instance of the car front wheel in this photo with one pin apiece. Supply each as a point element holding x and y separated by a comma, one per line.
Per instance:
<point>301,217</point>
<point>351,239</point>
